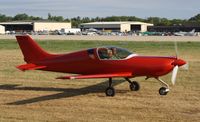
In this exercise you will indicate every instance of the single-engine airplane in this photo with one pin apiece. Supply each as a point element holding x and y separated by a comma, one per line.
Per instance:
<point>101,62</point>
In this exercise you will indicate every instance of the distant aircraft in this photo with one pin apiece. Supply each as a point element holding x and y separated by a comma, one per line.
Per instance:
<point>102,62</point>
<point>191,33</point>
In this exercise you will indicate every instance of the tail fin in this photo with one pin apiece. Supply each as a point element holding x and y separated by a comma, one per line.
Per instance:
<point>31,50</point>
<point>193,31</point>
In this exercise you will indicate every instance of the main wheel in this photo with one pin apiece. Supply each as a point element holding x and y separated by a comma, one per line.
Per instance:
<point>134,86</point>
<point>163,91</point>
<point>110,91</point>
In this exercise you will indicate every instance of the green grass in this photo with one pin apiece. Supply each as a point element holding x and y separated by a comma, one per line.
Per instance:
<point>67,45</point>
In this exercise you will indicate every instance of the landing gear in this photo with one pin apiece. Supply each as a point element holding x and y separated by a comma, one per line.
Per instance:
<point>110,91</point>
<point>163,90</point>
<point>134,86</point>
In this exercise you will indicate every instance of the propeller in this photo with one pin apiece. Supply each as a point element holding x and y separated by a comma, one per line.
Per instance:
<point>177,62</point>
<point>174,74</point>
<point>175,69</point>
<point>185,66</point>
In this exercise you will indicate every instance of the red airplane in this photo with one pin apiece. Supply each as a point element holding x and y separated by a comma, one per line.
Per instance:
<point>102,62</point>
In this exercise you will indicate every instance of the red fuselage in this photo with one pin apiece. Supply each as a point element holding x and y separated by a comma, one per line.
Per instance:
<point>81,63</point>
<point>95,61</point>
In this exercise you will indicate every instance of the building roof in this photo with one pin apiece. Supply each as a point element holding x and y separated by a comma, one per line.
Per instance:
<point>16,23</point>
<point>27,23</point>
<point>123,22</point>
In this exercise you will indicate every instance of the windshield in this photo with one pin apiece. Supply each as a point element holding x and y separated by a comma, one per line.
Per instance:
<point>113,53</point>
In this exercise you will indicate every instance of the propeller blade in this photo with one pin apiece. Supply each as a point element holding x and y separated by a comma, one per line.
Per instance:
<point>176,48</point>
<point>174,74</point>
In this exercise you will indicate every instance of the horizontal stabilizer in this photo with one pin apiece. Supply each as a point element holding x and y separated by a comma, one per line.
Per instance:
<point>125,74</point>
<point>25,67</point>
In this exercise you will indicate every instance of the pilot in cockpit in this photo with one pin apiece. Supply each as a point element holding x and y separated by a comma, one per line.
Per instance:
<point>112,53</point>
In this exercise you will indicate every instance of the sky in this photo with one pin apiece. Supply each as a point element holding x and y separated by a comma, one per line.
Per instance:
<point>171,9</point>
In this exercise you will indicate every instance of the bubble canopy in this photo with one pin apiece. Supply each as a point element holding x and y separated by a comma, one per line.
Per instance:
<point>113,53</point>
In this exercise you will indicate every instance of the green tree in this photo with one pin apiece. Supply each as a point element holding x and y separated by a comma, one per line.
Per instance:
<point>155,20</point>
<point>49,16</point>
<point>55,18</point>
<point>21,17</point>
<point>195,18</point>
<point>177,22</point>
<point>35,18</point>
<point>4,18</point>
<point>76,21</point>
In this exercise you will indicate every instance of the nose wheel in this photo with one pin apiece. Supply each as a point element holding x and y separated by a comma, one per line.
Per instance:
<point>163,90</point>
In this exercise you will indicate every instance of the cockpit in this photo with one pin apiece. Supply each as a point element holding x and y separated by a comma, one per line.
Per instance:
<point>113,53</point>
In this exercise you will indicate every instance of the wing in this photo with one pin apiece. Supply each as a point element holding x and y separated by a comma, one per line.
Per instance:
<point>25,67</point>
<point>124,74</point>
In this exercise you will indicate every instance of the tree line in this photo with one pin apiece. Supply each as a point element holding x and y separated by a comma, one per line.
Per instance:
<point>157,21</point>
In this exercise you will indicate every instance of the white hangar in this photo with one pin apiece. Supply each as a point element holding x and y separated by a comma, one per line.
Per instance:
<point>117,26</point>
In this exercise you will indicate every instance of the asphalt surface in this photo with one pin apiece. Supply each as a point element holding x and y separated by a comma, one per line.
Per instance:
<point>111,38</point>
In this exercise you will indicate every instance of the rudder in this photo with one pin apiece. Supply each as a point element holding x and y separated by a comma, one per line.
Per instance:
<point>31,50</point>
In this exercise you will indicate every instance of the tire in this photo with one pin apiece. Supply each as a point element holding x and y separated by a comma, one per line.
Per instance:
<point>134,86</point>
<point>162,91</point>
<point>110,91</point>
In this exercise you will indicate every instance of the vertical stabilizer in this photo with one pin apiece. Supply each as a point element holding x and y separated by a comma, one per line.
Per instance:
<point>31,50</point>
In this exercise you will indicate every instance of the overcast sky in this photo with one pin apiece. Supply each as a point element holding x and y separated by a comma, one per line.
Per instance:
<point>181,9</point>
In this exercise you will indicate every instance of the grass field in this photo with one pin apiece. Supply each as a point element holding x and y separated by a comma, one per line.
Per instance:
<point>38,96</point>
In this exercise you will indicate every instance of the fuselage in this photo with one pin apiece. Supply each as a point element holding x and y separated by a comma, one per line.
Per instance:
<point>81,62</point>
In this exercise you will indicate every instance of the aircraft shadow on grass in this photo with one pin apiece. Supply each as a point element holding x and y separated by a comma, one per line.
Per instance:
<point>64,92</point>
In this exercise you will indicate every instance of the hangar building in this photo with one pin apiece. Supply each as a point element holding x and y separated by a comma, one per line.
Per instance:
<point>35,26</point>
<point>117,26</point>
<point>2,29</point>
